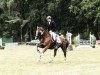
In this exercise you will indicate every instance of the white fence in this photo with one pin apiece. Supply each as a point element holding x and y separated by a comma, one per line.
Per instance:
<point>91,41</point>
<point>69,37</point>
<point>0,41</point>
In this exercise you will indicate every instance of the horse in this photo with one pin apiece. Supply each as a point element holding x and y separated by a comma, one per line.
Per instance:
<point>46,42</point>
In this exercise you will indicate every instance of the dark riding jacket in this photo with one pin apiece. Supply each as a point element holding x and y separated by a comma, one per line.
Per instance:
<point>51,26</point>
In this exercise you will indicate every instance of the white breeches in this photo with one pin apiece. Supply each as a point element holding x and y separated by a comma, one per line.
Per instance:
<point>55,37</point>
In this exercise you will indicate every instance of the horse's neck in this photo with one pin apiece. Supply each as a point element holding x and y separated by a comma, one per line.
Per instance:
<point>46,34</point>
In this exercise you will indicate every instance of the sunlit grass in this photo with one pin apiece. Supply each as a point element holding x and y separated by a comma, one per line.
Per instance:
<point>23,60</point>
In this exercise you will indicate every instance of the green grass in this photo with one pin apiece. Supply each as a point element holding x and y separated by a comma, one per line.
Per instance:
<point>23,60</point>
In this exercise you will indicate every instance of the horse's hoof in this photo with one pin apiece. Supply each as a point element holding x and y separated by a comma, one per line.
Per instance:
<point>39,60</point>
<point>51,61</point>
<point>41,54</point>
<point>38,51</point>
<point>64,60</point>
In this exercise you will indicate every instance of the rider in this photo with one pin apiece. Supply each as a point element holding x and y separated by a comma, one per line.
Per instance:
<point>51,27</point>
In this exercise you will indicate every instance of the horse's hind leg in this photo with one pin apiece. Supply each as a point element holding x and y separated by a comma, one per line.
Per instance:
<point>64,51</point>
<point>55,51</point>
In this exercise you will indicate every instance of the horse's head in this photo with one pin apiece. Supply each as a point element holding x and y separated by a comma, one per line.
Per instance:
<point>39,32</point>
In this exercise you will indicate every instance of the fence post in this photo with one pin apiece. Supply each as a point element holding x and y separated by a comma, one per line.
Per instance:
<point>1,44</point>
<point>78,39</point>
<point>68,36</point>
<point>0,41</point>
<point>90,39</point>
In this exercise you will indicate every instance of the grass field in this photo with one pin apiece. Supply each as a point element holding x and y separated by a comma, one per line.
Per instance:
<point>23,60</point>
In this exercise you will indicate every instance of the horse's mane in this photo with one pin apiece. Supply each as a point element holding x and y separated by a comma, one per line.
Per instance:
<point>43,29</point>
<point>46,33</point>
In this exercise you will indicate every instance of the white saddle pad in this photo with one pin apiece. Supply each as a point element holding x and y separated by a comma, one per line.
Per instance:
<point>55,36</point>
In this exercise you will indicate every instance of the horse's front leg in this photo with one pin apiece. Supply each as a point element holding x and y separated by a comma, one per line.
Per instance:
<point>37,48</point>
<point>55,51</point>
<point>45,49</point>
<point>39,45</point>
<point>42,45</point>
<point>41,54</point>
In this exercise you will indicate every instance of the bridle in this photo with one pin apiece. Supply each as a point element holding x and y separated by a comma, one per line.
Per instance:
<point>39,31</point>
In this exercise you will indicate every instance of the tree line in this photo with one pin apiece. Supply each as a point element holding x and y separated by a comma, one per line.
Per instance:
<point>19,18</point>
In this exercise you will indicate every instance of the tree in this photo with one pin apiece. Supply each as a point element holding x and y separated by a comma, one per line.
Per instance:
<point>70,15</point>
<point>87,12</point>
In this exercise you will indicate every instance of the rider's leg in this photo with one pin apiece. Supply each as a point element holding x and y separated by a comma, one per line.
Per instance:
<point>51,33</point>
<point>54,36</point>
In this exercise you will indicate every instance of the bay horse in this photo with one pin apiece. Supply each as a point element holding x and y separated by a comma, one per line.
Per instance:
<point>46,42</point>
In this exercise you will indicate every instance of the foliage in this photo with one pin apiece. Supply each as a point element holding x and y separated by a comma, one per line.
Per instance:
<point>70,47</point>
<point>87,13</point>
<point>75,16</point>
